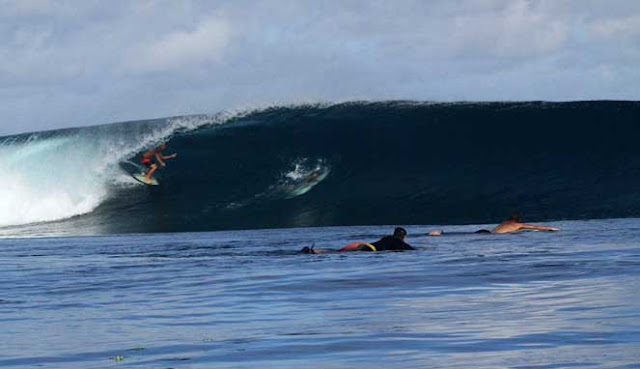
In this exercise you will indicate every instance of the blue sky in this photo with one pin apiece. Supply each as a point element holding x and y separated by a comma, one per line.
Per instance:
<point>87,62</point>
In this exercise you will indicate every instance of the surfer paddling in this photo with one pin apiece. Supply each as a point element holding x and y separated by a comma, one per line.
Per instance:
<point>156,153</point>
<point>513,224</point>
<point>386,243</point>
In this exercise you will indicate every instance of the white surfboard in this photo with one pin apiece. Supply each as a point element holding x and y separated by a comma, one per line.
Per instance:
<point>140,178</point>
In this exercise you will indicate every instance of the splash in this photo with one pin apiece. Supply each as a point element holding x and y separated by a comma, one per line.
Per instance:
<point>60,174</point>
<point>48,179</point>
<point>306,174</point>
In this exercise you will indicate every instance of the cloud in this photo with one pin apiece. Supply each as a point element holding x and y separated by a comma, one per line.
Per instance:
<point>25,7</point>
<point>182,49</point>
<point>69,63</point>
<point>521,30</point>
<point>623,27</point>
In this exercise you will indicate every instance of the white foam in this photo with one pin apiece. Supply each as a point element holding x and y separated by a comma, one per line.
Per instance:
<point>303,167</point>
<point>47,179</point>
<point>71,173</point>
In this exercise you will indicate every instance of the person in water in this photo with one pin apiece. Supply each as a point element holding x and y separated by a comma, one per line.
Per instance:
<point>514,224</point>
<point>155,153</point>
<point>313,176</point>
<point>394,242</point>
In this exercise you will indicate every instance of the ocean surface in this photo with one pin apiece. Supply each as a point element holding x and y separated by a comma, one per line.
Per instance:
<point>248,299</point>
<point>203,271</point>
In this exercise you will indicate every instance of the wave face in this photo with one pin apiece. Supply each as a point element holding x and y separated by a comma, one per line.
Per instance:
<point>344,164</point>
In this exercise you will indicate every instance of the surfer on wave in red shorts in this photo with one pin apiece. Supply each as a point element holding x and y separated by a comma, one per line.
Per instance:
<point>156,153</point>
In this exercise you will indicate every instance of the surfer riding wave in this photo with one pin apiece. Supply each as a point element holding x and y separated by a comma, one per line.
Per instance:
<point>156,153</point>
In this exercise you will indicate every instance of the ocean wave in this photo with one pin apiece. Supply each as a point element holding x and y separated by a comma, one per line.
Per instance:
<point>381,163</point>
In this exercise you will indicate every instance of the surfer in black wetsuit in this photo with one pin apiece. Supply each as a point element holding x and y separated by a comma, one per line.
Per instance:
<point>393,243</point>
<point>386,243</point>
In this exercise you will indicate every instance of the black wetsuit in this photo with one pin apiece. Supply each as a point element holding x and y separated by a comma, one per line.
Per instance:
<point>390,243</point>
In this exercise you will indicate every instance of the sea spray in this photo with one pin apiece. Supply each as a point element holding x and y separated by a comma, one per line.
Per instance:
<point>55,175</point>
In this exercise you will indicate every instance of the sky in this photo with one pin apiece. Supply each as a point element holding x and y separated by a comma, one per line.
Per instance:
<point>87,62</point>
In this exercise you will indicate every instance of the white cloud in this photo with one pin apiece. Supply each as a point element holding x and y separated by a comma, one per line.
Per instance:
<point>182,49</point>
<point>24,7</point>
<point>70,63</point>
<point>624,27</point>
<point>39,8</point>
<point>520,30</point>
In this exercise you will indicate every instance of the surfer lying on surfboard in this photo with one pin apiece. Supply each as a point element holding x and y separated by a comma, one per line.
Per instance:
<point>151,166</point>
<point>511,225</point>
<point>386,243</point>
<point>514,224</point>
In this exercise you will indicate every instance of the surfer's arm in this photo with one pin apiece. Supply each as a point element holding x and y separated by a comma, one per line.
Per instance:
<point>159,159</point>
<point>537,227</point>
<point>169,156</point>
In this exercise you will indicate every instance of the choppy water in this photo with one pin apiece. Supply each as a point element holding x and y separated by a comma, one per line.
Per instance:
<point>247,299</point>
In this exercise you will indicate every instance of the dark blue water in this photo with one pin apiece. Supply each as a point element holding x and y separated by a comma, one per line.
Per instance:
<point>135,276</point>
<point>383,163</point>
<point>247,299</point>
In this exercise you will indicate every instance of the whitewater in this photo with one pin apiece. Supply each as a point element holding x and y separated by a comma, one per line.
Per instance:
<point>56,175</point>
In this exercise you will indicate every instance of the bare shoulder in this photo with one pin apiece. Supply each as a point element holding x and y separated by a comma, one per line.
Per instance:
<point>507,226</point>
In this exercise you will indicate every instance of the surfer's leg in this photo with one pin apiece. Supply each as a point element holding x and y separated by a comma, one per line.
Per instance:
<point>152,169</point>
